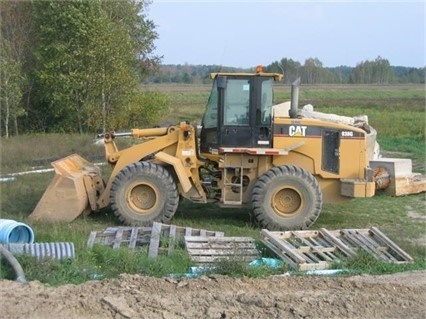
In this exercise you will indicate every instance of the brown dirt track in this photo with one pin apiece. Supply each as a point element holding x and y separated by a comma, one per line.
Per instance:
<point>131,296</point>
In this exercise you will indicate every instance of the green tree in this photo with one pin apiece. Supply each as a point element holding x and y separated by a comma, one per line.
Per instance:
<point>63,55</point>
<point>11,85</point>
<point>378,71</point>
<point>382,72</point>
<point>288,67</point>
<point>92,56</point>
<point>312,71</point>
<point>16,45</point>
<point>123,40</point>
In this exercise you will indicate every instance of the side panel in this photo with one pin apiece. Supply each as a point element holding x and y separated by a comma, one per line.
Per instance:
<point>335,151</point>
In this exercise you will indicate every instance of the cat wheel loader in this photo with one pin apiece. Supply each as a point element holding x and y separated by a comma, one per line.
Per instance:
<point>282,160</point>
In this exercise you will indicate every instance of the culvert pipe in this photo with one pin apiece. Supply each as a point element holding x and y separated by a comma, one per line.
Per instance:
<point>41,251</point>
<point>12,231</point>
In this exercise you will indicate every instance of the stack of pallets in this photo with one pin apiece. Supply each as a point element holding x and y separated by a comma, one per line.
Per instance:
<point>207,250</point>
<point>160,238</point>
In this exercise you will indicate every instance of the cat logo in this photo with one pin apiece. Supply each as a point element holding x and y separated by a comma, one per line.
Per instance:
<point>297,130</point>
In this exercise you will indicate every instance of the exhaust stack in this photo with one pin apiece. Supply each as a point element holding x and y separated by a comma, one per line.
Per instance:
<point>294,106</point>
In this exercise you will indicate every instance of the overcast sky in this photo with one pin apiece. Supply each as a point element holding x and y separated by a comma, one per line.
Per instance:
<point>245,33</point>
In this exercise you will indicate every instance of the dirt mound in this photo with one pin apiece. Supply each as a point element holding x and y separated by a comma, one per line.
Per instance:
<point>132,296</point>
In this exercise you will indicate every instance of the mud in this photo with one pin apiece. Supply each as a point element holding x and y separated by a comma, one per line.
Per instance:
<point>132,296</point>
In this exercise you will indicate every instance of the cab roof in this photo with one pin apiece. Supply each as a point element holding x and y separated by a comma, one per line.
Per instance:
<point>275,76</point>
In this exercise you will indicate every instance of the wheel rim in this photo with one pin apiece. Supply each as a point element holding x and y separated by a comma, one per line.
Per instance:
<point>142,198</point>
<point>287,202</point>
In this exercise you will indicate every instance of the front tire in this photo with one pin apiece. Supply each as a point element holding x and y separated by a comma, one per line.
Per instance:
<point>144,192</point>
<point>287,198</point>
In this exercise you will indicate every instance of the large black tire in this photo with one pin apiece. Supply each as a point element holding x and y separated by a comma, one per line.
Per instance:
<point>144,192</point>
<point>286,198</point>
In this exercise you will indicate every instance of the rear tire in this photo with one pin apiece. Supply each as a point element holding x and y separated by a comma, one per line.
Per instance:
<point>144,192</point>
<point>287,198</point>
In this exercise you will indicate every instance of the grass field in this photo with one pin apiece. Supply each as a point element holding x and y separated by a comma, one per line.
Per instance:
<point>397,112</point>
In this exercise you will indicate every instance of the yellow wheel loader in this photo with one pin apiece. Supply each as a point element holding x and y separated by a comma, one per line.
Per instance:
<point>282,160</point>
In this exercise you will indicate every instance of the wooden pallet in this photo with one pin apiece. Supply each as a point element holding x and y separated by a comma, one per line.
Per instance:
<point>160,238</point>
<point>206,250</point>
<point>310,250</point>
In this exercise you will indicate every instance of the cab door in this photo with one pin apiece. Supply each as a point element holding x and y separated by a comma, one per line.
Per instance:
<point>261,109</point>
<point>235,128</point>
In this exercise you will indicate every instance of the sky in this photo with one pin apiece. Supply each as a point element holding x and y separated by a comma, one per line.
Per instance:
<point>246,33</point>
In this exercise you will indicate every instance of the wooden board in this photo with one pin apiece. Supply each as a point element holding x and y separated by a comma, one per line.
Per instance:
<point>319,249</point>
<point>132,237</point>
<point>205,250</point>
<point>160,238</point>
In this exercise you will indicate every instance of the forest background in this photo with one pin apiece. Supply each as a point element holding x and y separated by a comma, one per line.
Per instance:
<point>87,66</point>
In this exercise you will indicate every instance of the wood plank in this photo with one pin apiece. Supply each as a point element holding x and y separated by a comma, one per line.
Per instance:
<point>209,249</point>
<point>316,266</point>
<point>282,245</point>
<point>391,244</point>
<point>310,261</point>
<point>290,234</point>
<point>385,253</point>
<point>337,242</point>
<point>188,231</point>
<point>91,240</point>
<point>310,258</point>
<point>316,249</point>
<point>172,238</point>
<point>117,239</point>
<point>154,243</point>
<point>218,245</point>
<point>213,239</point>
<point>133,237</point>
<point>376,249</point>
<point>222,252</point>
<point>358,242</point>
<point>212,259</point>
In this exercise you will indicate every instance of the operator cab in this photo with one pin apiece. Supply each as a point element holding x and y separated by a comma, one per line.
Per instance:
<point>239,111</point>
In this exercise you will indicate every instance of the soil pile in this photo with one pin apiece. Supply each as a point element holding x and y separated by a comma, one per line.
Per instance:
<point>133,296</point>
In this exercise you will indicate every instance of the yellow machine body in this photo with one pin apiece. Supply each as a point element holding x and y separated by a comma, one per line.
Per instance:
<point>283,161</point>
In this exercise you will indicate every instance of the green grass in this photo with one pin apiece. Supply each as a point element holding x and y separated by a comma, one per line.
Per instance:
<point>396,112</point>
<point>364,263</point>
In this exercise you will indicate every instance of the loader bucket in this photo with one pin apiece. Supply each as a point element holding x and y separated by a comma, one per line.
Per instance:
<point>73,191</point>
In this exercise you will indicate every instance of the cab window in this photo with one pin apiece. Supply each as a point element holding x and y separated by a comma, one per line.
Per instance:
<point>237,101</point>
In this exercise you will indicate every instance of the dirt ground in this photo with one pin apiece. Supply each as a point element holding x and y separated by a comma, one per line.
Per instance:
<point>132,296</point>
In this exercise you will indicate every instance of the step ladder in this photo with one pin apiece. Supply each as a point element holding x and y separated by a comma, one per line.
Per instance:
<point>231,188</point>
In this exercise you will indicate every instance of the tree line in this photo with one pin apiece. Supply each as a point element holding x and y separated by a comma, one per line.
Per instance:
<point>76,66</point>
<point>312,71</point>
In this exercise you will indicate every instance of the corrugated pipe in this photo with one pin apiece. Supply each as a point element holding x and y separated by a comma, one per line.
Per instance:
<point>43,250</point>
<point>12,231</point>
